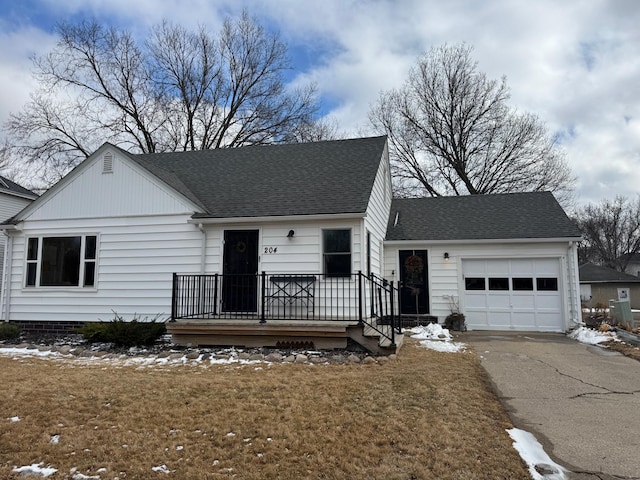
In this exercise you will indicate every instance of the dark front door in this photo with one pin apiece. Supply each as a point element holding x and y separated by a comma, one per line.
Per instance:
<point>414,290</point>
<point>240,271</point>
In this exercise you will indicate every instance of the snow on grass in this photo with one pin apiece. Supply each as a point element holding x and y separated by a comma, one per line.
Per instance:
<point>29,352</point>
<point>590,336</point>
<point>161,468</point>
<point>534,456</point>
<point>35,470</point>
<point>434,337</point>
<point>14,419</point>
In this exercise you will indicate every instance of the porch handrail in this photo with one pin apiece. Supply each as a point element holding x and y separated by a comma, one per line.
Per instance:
<point>365,299</point>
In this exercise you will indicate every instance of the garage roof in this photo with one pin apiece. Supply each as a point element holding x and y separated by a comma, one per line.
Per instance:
<point>533,215</point>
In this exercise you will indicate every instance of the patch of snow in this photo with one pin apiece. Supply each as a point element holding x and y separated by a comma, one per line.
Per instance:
<point>161,468</point>
<point>439,346</point>
<point>231,434</point>
<point>433,331</point>
<point>29,352</point>
<point>55,439</point>
<point>590,336</point>
<point>179,447</point>
<point>533,454</point>
<point>35,469</point>
<point>14,419</point>
<point>82,476</point>
<point>434,337</point>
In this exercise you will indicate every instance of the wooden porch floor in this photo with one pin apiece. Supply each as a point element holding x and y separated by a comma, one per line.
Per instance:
<point>251,333</point>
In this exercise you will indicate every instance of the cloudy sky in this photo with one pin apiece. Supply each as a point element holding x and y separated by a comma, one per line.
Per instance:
<point>574,63</point>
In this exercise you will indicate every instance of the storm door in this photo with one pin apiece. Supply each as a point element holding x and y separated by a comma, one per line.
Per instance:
<point>240,271</point>
<point>414,289</point>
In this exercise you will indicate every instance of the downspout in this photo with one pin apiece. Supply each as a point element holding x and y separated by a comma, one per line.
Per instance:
<point>203,249</point>
<point>4,301</point>
<point>574,284</point>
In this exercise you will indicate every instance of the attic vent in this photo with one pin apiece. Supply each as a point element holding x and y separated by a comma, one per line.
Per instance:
<point>107,163</point>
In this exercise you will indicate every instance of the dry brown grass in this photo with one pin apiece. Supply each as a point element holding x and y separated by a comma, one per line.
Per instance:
<point>427,415</point>
<point>624,348</point>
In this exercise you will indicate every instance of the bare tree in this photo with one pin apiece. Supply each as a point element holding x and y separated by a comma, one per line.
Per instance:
<point>451,132</point>
<point>179,90</point>
<point>610,232</point>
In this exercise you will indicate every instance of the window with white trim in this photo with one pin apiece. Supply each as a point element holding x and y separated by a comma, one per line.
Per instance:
<point>61,261</point>
<point>336,249</point>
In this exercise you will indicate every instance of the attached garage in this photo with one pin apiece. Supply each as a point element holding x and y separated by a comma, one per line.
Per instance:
<point>513,294</point>
<point>507,262</point>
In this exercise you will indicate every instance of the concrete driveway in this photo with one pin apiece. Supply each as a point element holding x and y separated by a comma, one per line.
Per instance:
<point>581,402</point>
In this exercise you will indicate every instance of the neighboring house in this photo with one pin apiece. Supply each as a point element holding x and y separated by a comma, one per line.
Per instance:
<point>283,245</point>
<point>13,198</point>
<point>633,267</point>
<point>599,284</point>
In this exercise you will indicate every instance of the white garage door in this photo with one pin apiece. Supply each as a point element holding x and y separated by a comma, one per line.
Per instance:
<point>513,294</point>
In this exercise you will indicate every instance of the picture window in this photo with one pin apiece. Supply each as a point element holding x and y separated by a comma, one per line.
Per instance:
<point>61,261</point>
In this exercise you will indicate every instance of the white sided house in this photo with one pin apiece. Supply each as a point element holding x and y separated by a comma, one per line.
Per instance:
<point>13,198</point>
<point>285,245</point>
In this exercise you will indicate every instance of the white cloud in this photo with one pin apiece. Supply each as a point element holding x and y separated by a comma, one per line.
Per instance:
<point>575,64</point>
<point>16,48</point>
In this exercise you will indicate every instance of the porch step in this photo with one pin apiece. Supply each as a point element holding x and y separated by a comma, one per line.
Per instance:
<point>372,340</point>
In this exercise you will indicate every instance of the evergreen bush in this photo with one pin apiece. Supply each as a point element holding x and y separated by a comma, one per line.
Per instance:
<point>9,331</point>
<point>121,333</point>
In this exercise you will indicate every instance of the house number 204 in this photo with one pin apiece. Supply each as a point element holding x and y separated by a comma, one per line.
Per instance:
<point>270,249</point>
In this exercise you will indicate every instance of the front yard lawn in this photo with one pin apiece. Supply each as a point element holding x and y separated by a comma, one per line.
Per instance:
<point>426,415</point>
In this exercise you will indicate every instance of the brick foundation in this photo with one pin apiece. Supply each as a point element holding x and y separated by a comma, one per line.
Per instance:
<point>48,328</point>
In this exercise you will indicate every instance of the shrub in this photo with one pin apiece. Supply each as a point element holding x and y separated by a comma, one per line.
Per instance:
<point>9,331</point>
<point>124,334</point>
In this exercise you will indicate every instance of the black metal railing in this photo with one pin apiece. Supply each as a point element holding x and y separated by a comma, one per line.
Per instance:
<point>266,296</point>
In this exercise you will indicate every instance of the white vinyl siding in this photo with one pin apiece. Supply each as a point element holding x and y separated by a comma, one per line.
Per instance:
<point>135,267</point>
<point>9,206</point>
<point>378,215</point>
<point>129,190</point>
<point>278,253</point>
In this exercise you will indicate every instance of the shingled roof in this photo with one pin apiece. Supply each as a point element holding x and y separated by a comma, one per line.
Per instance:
<point>328,177</point>
<point>10,187</point>
<point>475,217</point>
<point>591,273</point>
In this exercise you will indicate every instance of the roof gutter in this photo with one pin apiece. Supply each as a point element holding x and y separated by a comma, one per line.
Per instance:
<point>10,227</point>
<point>273,219</point>
<point>483,241</point>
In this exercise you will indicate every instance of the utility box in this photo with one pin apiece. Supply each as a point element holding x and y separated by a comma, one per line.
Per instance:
<point>621,311</point>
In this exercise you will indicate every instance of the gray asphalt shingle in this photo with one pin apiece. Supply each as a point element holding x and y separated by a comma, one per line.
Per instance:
<point>12,187</point>
<point>475,217</point>
<point>591,273</point>
<point>328,177</point>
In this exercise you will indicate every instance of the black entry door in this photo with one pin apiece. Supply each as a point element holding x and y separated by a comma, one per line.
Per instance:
<point>414,290</point>
<point>240,271</point>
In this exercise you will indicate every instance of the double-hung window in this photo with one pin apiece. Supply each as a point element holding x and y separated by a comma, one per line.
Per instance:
<point>336,247</point>
<point>61,261</point>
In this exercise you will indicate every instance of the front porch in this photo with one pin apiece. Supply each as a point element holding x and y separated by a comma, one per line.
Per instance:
<point>312,311</point>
